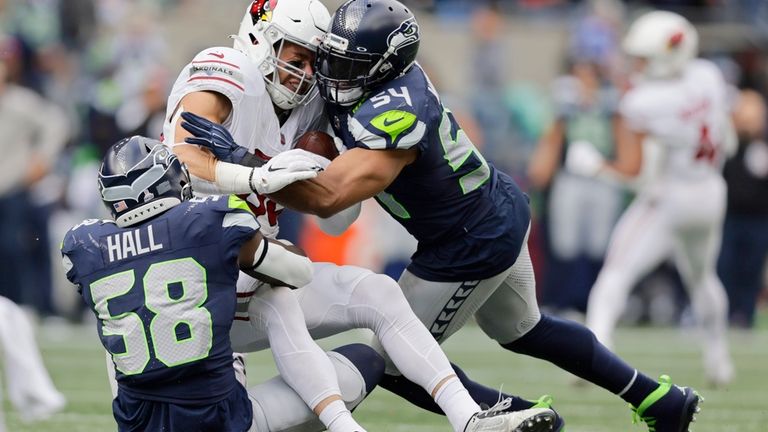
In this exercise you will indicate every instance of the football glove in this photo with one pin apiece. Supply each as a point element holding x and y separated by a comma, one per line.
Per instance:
<point>214,137</point>
<point>582,158</point>
<point>281,171</point>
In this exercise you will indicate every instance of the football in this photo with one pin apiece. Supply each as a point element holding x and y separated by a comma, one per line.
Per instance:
<point>319,143</point>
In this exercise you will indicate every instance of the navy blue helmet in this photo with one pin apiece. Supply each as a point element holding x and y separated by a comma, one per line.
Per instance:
<point>140,178</point>
<point>369,42</point>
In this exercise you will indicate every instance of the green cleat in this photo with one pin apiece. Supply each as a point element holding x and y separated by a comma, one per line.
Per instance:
<point>669,408</point>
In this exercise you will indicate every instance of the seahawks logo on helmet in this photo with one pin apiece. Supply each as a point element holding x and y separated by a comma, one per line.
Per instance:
<point>406,34</point>
<point>261,10</point>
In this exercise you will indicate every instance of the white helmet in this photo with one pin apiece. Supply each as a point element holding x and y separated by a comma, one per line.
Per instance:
<point>266,26</point>
<point>667,40</point>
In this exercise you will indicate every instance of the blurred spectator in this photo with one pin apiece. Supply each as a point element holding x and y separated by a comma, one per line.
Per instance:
<point>487,98</point>
<point>579,211</point>
<point>745,233</point>
<point>32,134</point>
<point>77,22</point>
<point>144,113</point>
<point>595,35</point>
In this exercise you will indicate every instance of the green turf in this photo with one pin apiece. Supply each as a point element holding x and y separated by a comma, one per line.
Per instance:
<point>77,365</point>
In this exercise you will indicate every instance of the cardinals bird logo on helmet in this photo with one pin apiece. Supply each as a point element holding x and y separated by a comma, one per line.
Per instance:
<point>261,10</point>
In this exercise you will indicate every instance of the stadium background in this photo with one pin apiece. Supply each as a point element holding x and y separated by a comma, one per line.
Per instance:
<point>110,63</point>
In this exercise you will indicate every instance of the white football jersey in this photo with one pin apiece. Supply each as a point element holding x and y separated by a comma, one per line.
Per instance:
<point>253,122</point>
<point>687,117</point>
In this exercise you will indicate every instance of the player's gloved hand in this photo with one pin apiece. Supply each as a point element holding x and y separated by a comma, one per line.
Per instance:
<point>282,170</point>
<point>214,137</point>
<point>303,156</point>
<point>582,158</point>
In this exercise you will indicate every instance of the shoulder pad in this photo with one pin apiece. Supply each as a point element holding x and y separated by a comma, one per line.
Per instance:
<point>396,117</point>
<point>222,69</point>
<point>235,211</point>
<point>82,231</point>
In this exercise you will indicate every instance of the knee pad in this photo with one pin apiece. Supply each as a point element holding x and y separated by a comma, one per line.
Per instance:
<point>271,302</point>
<point>368,363</point>
<point>276,407</point>
<point>380,291</point>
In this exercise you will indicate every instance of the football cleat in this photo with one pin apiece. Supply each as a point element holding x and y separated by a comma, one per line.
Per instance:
<point>497,418</point>
<point>669,408</point>
<point>546,402</point>
<point>35,410</point>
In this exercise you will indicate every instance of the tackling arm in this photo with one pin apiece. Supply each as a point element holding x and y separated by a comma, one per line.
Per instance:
<point>213,106</point>
<point>201,163</point>
<point>214,176</point>
<point>274,262</point>
<point>355,176</point>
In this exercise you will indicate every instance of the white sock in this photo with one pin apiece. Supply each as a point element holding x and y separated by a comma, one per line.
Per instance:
<point>337,418</point>
<point>456,403</point>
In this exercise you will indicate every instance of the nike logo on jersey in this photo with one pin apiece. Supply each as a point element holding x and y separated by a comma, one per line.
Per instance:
<point>216,54</point>
<point>388,122</point>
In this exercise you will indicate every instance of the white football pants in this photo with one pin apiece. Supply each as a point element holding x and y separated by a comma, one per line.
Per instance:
<point>277,407</point>
<point>341,298</point>
<point>683,221</point>
<point>30,388</point>
<point>275,314</point>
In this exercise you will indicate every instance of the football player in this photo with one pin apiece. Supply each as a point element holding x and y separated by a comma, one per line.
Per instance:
<point>160,278</point>
<point>680,104</point>
<point>471,221</point>
<point>30,388</point>
<point>262,91</point>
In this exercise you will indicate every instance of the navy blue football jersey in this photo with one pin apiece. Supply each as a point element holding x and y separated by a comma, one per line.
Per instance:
<point>164,295</point>
<point>469,219</point>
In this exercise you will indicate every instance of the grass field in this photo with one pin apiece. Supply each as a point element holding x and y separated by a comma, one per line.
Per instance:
<point>76,362</point>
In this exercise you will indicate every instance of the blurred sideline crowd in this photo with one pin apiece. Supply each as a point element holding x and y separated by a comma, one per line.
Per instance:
<point>78,75</point>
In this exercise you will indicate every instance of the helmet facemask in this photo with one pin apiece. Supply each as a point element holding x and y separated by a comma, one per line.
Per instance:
<point>368,44</point>
<point>282,96</point>
<point>266,28</point>
<point>345,76</point>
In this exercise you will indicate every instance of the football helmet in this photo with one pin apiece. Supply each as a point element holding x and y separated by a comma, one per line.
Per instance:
<point>140,178</point>
<point>368,43</point>
<point>666,40</point>
<point>266,26</point>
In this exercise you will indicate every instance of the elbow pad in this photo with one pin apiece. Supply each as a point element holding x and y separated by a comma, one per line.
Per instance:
<point>282,265</point>
<point>338,223</point>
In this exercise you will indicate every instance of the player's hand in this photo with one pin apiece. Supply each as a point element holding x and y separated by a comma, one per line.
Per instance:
<point>282,170</point>
<point>301,156</point>
<point>212,136</point>
<point>582,158</point>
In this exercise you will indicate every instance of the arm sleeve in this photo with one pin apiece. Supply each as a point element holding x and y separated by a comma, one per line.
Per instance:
<point>338,223</point>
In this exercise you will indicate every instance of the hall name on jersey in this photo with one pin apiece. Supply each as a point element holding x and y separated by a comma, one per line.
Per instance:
<point>130,243</point>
